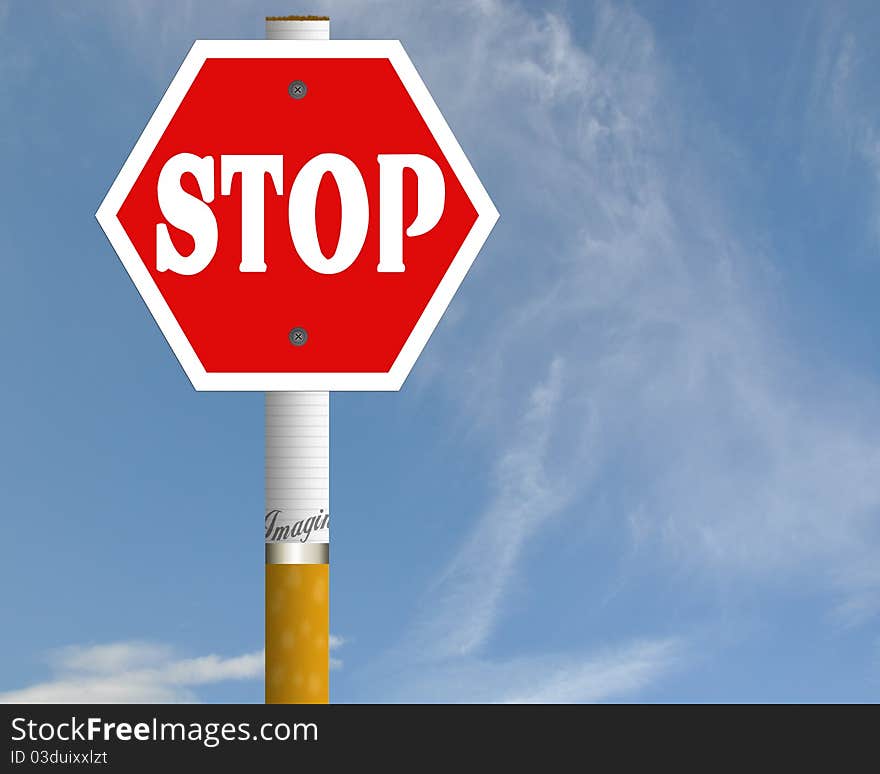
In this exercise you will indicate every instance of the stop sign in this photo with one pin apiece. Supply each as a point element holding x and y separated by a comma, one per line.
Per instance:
<point>297,215</point>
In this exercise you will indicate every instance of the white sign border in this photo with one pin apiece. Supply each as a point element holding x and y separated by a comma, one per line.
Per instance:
<point>202,50</point>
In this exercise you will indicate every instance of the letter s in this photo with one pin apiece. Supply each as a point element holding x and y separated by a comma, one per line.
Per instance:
<point>187,212</point>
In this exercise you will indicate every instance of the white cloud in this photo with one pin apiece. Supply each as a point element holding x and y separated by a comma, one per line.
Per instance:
<point>131,672</point>
<point>112,658</point>
<point>137,672</point>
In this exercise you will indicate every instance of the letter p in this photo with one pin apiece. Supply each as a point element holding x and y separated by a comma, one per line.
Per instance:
<point>431,201</point>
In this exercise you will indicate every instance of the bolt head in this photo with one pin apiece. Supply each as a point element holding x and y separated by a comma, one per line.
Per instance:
<point>297,89</point>
<point>298,336</point>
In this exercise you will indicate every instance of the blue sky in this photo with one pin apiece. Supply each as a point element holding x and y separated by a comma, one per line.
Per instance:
<point>639,460</point>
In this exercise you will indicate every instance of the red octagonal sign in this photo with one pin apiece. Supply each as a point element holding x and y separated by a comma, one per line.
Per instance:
<point>297,215</point>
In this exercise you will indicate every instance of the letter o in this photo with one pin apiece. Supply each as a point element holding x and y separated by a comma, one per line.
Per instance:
<point>302,207</point>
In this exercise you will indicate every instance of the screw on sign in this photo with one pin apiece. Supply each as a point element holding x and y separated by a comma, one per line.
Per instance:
<point>297,89</point>
<point>298,336</point>
<point>270,212</point>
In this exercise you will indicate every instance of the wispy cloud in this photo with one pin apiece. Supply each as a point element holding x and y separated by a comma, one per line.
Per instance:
<point>137,672</point>
<point>618,673</point>
<point>132,672</point>
<point>675,394</point>
<point>524,500</point>
<point>613,674</point>
<point>843,114</point>
<point>682,400</point>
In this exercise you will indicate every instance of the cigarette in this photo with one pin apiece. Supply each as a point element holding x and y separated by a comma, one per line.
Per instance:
<point>297,532</point>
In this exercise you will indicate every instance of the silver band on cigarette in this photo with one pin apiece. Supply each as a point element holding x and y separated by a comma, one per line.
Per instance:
<point>297,553</point>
